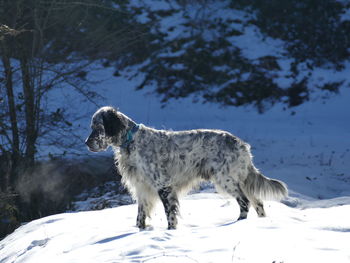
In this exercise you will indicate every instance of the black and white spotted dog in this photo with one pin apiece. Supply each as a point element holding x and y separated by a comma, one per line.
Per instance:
<point>159,164</point>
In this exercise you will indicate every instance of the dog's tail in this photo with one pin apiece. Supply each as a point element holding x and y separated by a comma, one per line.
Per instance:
<point>261,187</point>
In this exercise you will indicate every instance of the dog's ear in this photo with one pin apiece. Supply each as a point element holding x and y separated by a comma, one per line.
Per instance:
<point>112,123</point>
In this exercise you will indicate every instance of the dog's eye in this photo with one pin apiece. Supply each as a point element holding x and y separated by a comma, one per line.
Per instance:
<point>97,127</point>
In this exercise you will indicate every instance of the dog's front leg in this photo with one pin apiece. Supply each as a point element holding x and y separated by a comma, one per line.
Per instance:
<point>171,205</point>
<point>141,217</point>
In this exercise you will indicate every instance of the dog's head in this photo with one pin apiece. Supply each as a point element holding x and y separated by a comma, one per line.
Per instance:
<point>107,127</point>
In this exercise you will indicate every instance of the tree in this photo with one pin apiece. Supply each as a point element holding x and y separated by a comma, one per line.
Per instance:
<point>26,63</point>
<point>48,49</point>
<point>47,45</point>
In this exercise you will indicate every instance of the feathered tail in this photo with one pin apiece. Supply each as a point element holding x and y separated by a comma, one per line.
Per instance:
<point>261,187</point>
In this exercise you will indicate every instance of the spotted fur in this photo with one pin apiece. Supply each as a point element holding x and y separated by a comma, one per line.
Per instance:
<point>161,165</point>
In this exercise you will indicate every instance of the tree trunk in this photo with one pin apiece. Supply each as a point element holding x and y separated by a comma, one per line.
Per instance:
<point>15,151</point>
<point>29,97</point>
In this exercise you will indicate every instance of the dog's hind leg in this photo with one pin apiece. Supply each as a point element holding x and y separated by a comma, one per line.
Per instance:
<point>171,205</point>
<point>244,204</point>
<point>258,206</point>
<point>227,185</point>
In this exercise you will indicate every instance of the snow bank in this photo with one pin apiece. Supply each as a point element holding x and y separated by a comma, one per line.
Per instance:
<point>207,232</point>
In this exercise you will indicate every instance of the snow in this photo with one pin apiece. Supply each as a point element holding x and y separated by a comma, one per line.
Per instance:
<point>207,232</point>
<point>346,15</point>
<point>255,45</point>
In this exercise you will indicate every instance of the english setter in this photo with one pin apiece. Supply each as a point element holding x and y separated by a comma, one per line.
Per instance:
<point>160,164</point>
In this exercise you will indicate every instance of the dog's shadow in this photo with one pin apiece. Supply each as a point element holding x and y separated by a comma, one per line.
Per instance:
<point>230,223</point>
<point>110,239</point>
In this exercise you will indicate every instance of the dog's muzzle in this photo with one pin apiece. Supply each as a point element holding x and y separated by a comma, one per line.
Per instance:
<point>92,146</point>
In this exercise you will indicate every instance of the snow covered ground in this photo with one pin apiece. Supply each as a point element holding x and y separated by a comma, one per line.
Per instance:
<point>206,233</point>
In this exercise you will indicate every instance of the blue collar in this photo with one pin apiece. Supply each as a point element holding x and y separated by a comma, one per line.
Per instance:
<point>129,138</point>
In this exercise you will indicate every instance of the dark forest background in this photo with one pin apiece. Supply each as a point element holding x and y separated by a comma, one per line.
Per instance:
<point>51,44</point>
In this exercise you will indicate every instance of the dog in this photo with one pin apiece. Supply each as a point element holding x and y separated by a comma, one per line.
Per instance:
<point>159,164</point>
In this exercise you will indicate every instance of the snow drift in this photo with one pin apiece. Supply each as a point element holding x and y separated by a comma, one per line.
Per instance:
<point>207,233</point>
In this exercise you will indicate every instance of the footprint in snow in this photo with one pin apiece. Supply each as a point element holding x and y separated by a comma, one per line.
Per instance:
<point>38,243</point>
